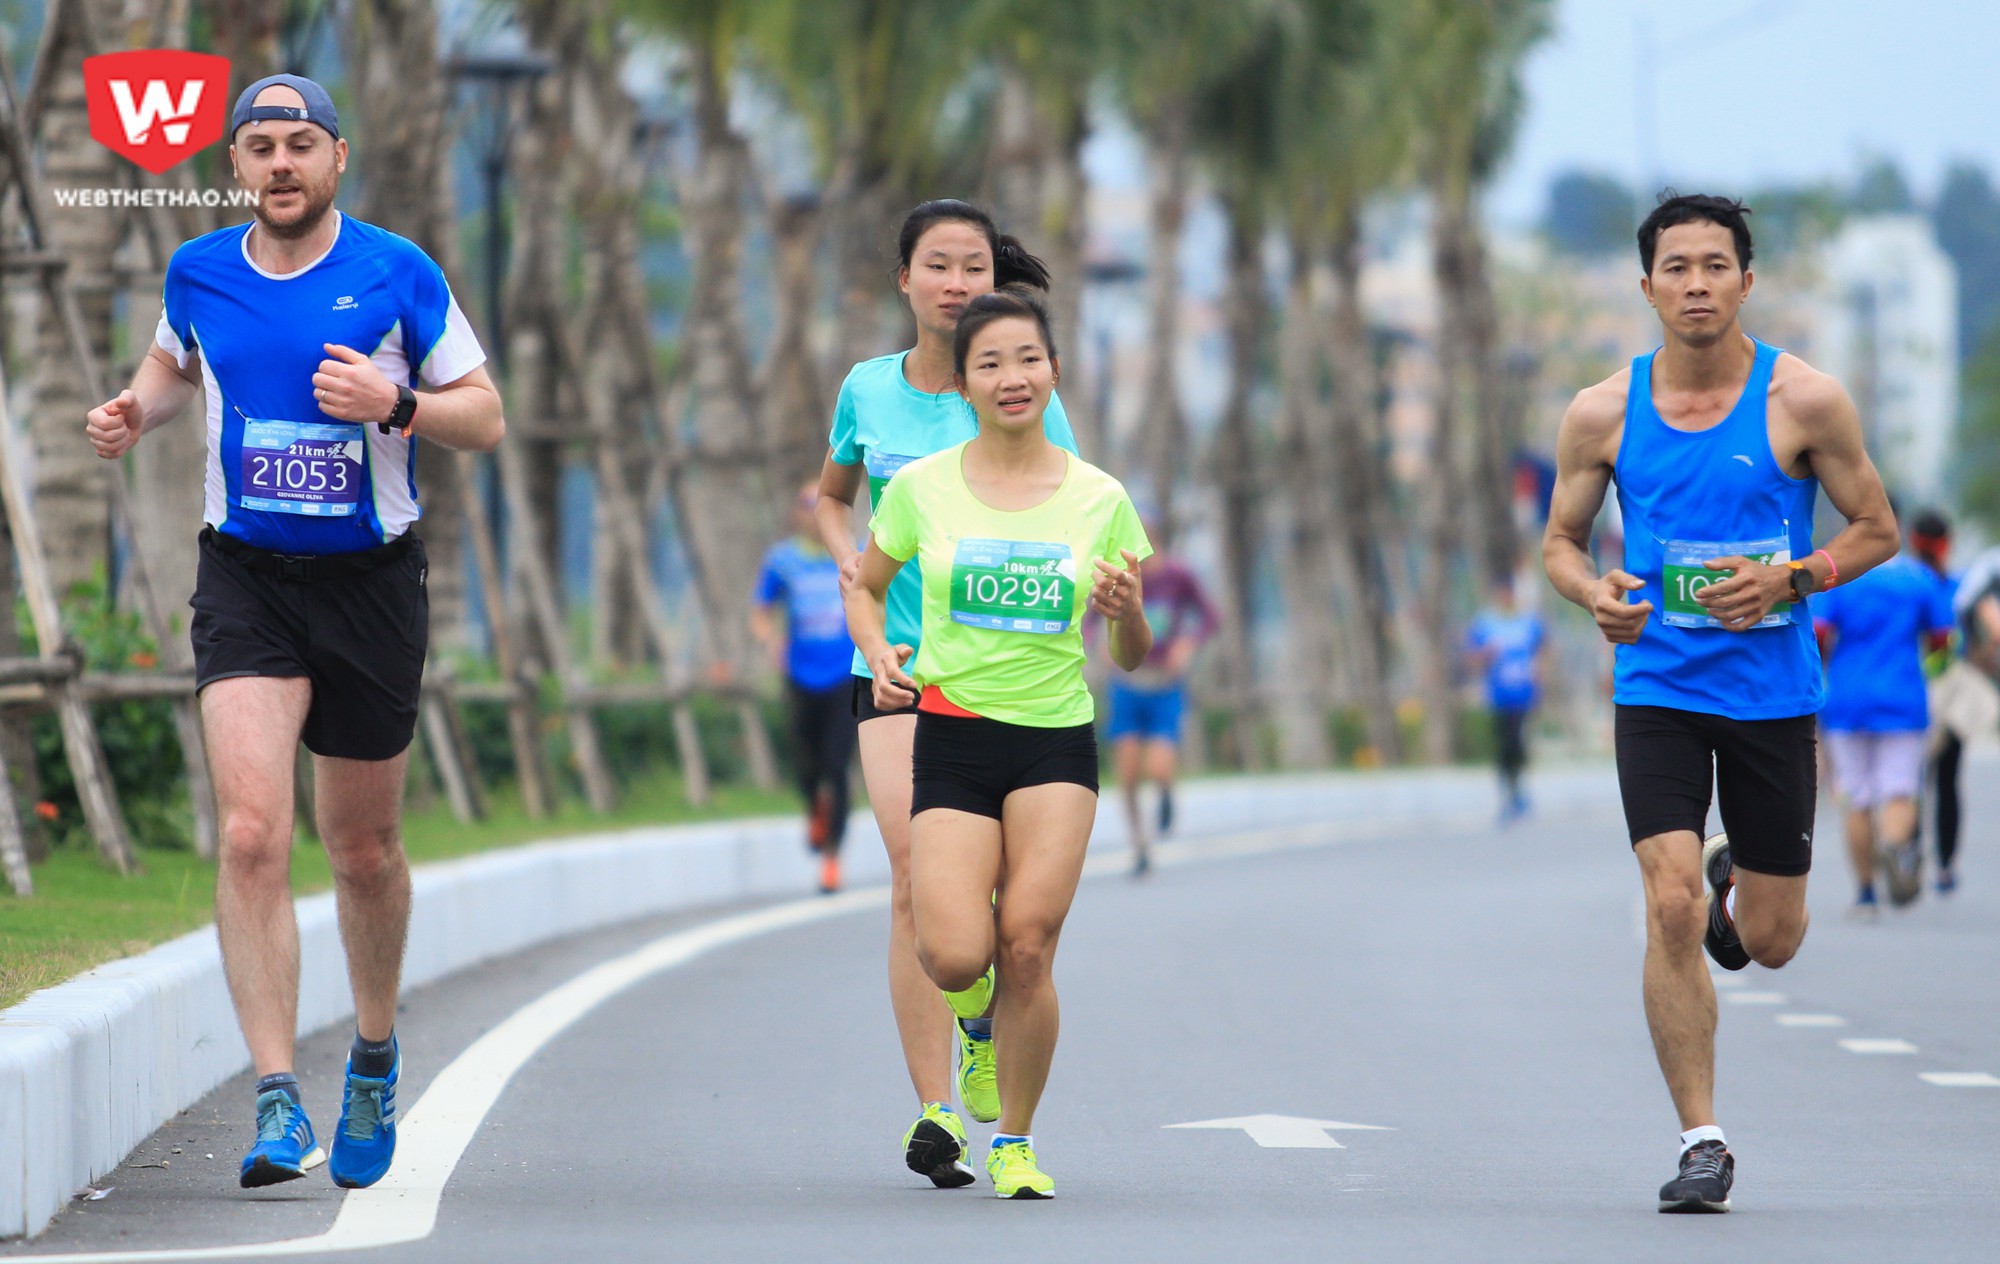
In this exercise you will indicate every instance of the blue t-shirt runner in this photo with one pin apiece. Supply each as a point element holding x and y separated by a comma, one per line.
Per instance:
<point>804,579</point>
<point>882,422</point>
<point>1513,640</point>
<point>282,475</point>
<point>1875,673</point>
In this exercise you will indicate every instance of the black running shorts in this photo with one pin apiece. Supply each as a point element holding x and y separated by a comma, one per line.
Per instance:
<point>972,764</point>
<point>863,702</point>
<point>359,638</point>
<point>1764,772</point>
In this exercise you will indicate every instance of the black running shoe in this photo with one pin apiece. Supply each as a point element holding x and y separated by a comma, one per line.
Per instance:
<point>935,1147</point>
<point>1708,1169</point>
<point>1721,940</point>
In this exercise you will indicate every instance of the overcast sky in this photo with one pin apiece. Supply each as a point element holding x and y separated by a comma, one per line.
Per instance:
<point>1746,92</point>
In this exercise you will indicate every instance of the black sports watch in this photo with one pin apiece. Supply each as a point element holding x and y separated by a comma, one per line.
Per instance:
<point>1803,584</point>
<point>403,413</point>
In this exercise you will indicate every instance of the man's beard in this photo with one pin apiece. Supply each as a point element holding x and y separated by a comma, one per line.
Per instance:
<point>309,218</point>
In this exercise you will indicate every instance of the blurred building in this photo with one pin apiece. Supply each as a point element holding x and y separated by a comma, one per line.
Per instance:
<point>1888,330</point>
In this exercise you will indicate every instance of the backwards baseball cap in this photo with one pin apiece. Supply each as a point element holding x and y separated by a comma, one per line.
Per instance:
<point>318,107</point>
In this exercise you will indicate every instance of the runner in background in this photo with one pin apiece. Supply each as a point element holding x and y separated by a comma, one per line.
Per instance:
<point>1971,696</point>
<point>1149,706</point>
<point>1510,646</point>
<point>1963,702</point>
<point>801,579</point>
<point>1873,633</point>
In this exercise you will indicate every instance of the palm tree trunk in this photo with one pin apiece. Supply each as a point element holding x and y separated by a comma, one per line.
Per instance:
<point>404,156</point>
<point>1308,557</point>
<point>1163,429</point>
<point>1362,485</point>
<point>1445,494</point>
<point>791,391</point>
<point>729,511</point>
<point>1036,184</point>
<point>72,502</point>
<point>1237,484</point>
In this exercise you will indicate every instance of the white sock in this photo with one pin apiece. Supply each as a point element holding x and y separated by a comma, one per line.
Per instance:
<point>1729,904</point>
<point>1695,1136</point>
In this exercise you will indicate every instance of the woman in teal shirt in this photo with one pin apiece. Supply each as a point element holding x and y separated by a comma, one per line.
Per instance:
<point>893,410</point>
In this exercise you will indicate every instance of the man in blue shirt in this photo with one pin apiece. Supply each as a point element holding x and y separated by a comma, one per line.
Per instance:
<point>1507,643</point>
<point>324,348</point>
<point>800,577</point>
<point>1873,633</point>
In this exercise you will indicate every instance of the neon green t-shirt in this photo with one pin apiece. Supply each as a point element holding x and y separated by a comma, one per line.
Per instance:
<point>1005,590</point>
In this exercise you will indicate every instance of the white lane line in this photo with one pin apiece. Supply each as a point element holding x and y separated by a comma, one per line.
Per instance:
<point>1754,998</point>
<point>433,1135</point>
<point>1872,1045</point>
<point>1811,1020</point>
<point>1959,1079</point>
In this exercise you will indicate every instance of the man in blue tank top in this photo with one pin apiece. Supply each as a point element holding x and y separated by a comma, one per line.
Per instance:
<point>325,348</point>
<point>1719,445</point>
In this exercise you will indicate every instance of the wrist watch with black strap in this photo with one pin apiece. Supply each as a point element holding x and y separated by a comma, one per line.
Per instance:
<point>403,413</point>
<point>1803,583</point>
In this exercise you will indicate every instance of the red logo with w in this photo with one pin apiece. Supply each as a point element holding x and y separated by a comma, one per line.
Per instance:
<point>156,106</point>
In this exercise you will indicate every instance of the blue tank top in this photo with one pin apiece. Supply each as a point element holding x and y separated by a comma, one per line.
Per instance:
<point>1691,495</point>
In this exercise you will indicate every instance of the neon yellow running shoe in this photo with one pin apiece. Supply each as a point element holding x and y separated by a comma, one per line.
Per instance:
<point>935,1147</point>
<point>1015,1173</point>
<point>974,1001</point>
<point>978,1084</point>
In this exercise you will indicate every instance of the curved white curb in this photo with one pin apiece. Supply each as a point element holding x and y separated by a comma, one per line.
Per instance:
<point>90,1069</point>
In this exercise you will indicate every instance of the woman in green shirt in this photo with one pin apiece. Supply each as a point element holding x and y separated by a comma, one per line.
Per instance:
<point>893,410</point>
<point>1011,532</point>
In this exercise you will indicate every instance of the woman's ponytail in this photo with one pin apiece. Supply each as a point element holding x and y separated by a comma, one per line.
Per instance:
<point>1013,265</point>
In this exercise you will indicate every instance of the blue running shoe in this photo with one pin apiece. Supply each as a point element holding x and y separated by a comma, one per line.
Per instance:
<point>366,1139</point>
<point>285,1148</point>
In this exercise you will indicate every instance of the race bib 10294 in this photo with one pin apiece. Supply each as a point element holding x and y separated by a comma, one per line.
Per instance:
<point>1686,573</point>
<point>301,467</point>
<point>1013,586</point>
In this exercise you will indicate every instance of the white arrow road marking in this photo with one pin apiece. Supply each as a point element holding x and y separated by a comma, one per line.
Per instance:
<point>1287,1132</point>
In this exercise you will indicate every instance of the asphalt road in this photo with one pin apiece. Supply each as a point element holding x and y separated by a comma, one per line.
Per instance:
<point>1474,994</point>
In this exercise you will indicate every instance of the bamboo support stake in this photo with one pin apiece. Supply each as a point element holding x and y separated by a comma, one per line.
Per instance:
<point>53,272</point>
<point>13,842</point>
<point>599,788</point>
<point>86,757</point>
<point>523,711</point>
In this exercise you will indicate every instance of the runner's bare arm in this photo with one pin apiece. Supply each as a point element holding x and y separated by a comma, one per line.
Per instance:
<point>1841,463</point>
<point>159,391</point>
<point>1586,448</point>
<point>1119,596</point>
<point>839,485</point>
<point>464,413</point>
<point>867,603</point>
<point>1816,410</point>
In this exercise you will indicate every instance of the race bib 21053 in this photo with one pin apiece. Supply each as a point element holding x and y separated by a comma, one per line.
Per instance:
<point>301,467</point>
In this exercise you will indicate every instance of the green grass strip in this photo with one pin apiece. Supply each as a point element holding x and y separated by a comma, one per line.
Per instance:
<point>83,914</point>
